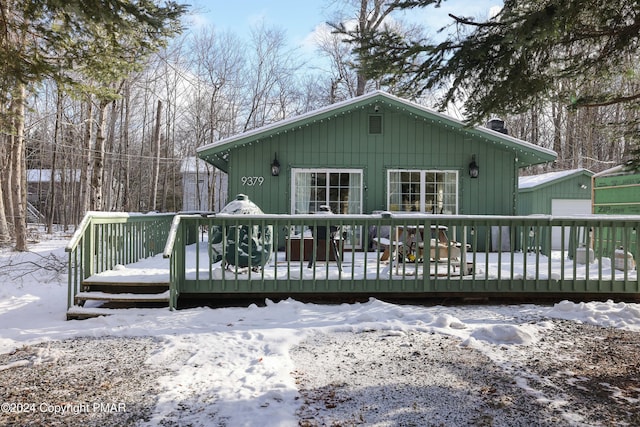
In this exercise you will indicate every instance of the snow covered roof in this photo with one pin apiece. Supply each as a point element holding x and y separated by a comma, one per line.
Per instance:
<point>617,170</point>
<point>527,182</point>
<point>216,153</point>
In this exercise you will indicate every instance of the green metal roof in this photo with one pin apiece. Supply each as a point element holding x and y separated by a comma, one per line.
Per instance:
<point>526,153</point>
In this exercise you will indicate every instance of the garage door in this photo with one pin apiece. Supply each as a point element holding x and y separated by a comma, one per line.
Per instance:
<point>566,207</point>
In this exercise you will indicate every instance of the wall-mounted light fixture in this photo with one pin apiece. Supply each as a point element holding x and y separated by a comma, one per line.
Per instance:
<point>583,187</point>
<point>275,165</point>
<point>473,167</point>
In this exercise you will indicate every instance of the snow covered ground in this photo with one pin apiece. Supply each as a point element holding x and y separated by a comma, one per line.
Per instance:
<point>266,365</point>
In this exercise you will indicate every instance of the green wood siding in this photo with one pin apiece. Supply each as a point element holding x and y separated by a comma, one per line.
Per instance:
<point>407,142</point>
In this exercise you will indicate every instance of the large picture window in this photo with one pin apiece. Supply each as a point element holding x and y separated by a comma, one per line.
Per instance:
<point>341,189</point>
<point>424,191</point>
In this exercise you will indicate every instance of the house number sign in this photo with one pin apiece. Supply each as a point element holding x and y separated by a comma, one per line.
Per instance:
<point>252,181</point>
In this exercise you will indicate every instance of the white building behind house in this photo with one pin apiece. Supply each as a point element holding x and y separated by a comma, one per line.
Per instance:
<point>204,188</point>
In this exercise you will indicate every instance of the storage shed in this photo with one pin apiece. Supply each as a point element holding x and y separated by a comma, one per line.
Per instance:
<point>558,193</point>
<point>376,152</point>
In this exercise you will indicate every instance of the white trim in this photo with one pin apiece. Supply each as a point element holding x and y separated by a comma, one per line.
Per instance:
<point>422,195</point>
<point>295,171</point>
<point>365,97</point>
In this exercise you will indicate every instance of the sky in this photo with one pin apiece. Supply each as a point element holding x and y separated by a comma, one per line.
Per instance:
<point>300,19</point>
<point>242,355</point>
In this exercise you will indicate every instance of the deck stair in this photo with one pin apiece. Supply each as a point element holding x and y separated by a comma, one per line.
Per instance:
<point>101,298</point>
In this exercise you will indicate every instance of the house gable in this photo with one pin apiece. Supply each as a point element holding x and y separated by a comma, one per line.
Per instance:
<point>375,134</point>
<point>527,154</point>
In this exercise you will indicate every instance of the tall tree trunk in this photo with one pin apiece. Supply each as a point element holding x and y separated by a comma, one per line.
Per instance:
<point>52,183</point>
<point>126,196</point>
<point>19,179</point>
<point>85,178</point>
<point>169,147</point>
<point>535,126</point>
<point>570,141</point>
<point>370,16</point>
<point>156,152</point>
<point>5,235</point>
<point>5,232</point>
<point>556,112</point>
<point>110,201</point>
<point>97,176</point>
<point>142,156</point>
<point>587,151</point>
<point>364,26</point>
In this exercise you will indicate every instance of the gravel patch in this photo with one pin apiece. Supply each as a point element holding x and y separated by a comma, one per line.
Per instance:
<point>574,375</point>
<point>408,379</point>
<point>79,382</point>
<point>577,375</point>
<point>589,373</point>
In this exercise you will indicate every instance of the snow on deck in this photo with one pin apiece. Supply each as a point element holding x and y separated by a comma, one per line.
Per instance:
<point>361,265</point>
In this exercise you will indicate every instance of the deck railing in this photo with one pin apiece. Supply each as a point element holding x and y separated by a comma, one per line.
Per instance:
<point>496,255</point>
<point>104,240</point>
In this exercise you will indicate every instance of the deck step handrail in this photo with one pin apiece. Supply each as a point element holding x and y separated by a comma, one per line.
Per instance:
<point>106,239</point>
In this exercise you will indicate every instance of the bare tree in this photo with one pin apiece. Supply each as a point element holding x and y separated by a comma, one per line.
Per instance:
<point>352,21</point>
<point>271,69</point>
<point>18,176</point>
<point>85,161</point>
<point>156,161</point>
<point>5,204</point>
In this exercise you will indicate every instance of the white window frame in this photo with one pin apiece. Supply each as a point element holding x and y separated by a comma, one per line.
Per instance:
<point>422,208</point>
<point>351,234</point>
<point>296,171</point>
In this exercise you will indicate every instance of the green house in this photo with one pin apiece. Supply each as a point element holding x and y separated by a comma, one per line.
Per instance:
<point>372,153</point>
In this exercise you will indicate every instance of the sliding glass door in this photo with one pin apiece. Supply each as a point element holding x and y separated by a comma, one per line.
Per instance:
<point>340,189</point>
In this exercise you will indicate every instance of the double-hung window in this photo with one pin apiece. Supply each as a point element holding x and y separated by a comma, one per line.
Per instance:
<point>425,191</point>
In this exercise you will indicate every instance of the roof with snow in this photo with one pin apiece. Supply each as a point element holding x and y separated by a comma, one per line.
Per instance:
<point>527,154</point>
<point>616,170</point>
<point>537,181</point>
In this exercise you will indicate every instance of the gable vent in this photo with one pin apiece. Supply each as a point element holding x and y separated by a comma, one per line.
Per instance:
<point>375,124</point>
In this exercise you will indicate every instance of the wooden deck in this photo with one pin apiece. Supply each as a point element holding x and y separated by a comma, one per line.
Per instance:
<point>509,257</point>
<point>146,284</point>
